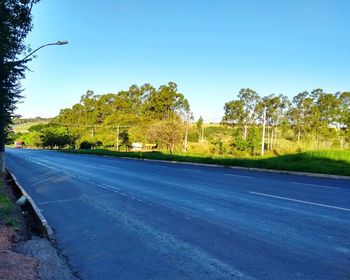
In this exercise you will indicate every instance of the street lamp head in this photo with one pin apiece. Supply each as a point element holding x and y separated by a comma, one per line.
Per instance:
<point>61,42</point>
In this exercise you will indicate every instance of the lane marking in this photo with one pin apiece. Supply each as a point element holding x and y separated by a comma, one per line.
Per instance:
<point>314,185</point>
<point>240,176</point>
<point>301,201</point>
<point>112,187</point>
<point>59,201</point>
<point>72,199</point>
<point>195,170</point>
<point>47,166</point>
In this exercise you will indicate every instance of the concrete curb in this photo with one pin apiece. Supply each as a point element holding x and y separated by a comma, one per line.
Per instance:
<point>299,173</point>
<point>40,219</point>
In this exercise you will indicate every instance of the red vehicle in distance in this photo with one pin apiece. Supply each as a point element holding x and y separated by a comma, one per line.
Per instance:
<point>19,144</point>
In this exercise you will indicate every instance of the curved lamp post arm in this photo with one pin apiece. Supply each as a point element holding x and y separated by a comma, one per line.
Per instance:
<point>58,43</point>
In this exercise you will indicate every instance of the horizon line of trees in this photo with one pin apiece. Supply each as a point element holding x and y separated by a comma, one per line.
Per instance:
<point>162,116</point>
<point>309,116</point>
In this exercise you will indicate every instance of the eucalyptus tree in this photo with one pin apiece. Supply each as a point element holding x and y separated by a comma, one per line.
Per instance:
<point>243,111</point>
<point>344,116</point>
<point>15,24</point>
<point>300,114</point>
<point>166,103</point>
<point>276,109</point>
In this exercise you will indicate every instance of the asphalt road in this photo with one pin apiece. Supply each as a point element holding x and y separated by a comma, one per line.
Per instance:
<point>130,219</point>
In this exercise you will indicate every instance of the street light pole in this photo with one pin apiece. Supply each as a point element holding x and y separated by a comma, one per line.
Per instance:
<point>58,43</point>
<point>3,109</point>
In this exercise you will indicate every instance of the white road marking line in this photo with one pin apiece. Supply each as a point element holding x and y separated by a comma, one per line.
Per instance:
<point>59,200</point>
<point>47,166</point>
<point>108,166</point>
<point>195,170</point>
<point>112,187</point>
<point>314,185</point>
<point>73,199</point>
<point>301,201</point>
<point>241,176</point>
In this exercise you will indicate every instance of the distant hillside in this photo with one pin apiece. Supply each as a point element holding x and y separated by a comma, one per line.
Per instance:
<point>22,124</point>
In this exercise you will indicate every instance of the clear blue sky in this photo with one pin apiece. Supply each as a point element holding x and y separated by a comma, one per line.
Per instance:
<point>210,48</point>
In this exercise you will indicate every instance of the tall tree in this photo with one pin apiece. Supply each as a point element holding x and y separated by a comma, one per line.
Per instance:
<point>15,23</point>
<point>276,109</point>
<point>300,114</point>
<point>166,103</point>
<point>242,111</point>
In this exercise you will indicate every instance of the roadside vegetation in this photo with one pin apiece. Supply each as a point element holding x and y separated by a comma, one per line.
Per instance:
<point>324,162</point>
<point>8,215</point>
<point>308,133</point>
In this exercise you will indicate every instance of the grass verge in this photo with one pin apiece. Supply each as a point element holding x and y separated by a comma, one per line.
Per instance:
<point>7,208</point>
<point>324,161</point>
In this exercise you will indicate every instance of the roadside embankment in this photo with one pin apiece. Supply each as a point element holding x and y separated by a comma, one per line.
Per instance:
<point>318,163</point>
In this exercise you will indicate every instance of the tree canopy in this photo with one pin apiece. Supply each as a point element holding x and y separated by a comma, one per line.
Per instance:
<point>15,23</point>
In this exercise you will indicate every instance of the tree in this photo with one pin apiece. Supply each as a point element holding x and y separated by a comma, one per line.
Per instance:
<point>242,111</point>
<point>300,114</point>
<point>276,110</point>
<point>166,133</point>
<point>166,103</point>
<point>15,24</point>
<point>200,128</point>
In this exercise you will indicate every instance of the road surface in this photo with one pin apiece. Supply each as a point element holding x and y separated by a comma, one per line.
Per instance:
<point>130,219</point>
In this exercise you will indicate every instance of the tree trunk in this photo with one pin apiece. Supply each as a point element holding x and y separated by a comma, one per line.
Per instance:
<point>341,143</point>
<point>275,142</point>
<point>2,146</point>
<point>271,140</point>
<point>298,137</point>
<point>2,162</point>
<point>245,132</point>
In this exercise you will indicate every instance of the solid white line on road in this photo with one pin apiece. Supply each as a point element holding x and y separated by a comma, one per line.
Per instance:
<point>301,201</point>
<point>314,185</point>
<point>112,187</point>
<point>240,176</point>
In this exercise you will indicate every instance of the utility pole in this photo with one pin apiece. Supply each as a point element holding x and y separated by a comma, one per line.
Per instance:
<point>263,133</point>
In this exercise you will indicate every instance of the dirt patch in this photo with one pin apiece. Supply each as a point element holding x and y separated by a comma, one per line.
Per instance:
<point>14,265</point>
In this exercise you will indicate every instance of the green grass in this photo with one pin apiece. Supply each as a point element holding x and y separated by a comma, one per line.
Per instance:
<point>325,161</point>
<point>7,215</point>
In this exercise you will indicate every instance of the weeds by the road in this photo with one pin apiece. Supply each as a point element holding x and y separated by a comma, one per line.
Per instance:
<point>7,213</point>
<point>324,161</point>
